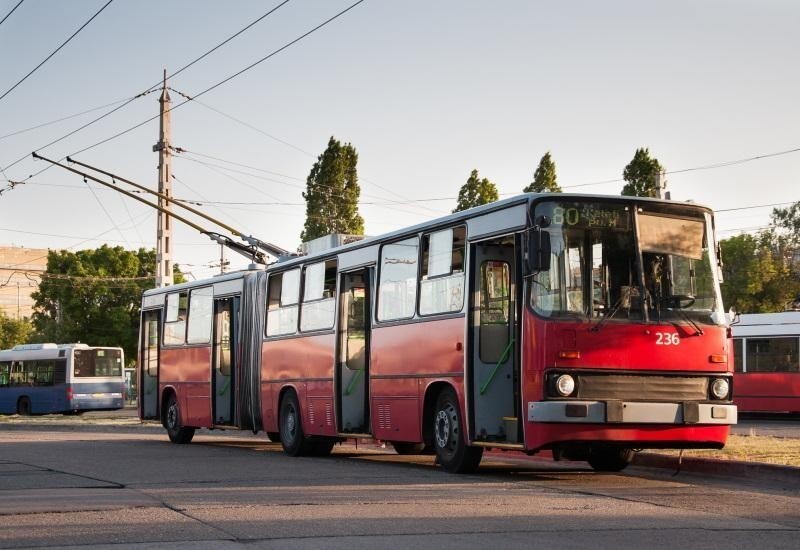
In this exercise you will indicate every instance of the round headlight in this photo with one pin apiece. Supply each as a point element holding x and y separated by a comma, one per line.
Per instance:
<point>720,388</point>
<point>565,385</point>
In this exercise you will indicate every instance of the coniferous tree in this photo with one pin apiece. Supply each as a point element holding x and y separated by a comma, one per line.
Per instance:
<point>475,192</point>
<point>641,173</point>
<point>544,179</point>
<point>332,193</point>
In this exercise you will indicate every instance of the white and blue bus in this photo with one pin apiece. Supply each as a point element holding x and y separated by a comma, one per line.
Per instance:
<point>67,378</point>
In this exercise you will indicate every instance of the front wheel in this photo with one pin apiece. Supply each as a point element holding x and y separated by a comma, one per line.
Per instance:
<point>177,433</point>
<point>609,459</point>
<point>449,441</point>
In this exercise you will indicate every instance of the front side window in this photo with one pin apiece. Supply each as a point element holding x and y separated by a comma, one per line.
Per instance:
<point>594,268</point>
<point>175,321</point>
<point>442,283</point>
<point>282,297</point>
<point>397,290</point>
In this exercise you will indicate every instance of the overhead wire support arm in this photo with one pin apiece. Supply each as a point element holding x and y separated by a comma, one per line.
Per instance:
<point>266,247</point>
<point>250,252</point>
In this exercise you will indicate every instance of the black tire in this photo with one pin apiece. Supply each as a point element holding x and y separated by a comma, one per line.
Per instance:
<point>275,437</point>
<point>24,406</point>
<point>404,448</point>
<point>172,422</point>
<point>292,437</point>
<point>452,451</point>
<point>603,458</point>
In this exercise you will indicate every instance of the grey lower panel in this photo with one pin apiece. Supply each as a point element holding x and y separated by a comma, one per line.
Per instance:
<point>595,412</point>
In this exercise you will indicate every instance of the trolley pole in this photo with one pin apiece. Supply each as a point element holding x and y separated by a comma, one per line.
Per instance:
<point>164,229</point>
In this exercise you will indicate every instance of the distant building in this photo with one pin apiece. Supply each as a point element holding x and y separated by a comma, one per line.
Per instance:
<point>20,272</point>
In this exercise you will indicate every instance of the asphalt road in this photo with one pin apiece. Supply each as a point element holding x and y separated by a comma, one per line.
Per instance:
<point>119,485</point>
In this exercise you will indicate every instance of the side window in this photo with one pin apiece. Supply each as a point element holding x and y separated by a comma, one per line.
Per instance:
<point>773,355</point>
<point>282,296</point>
<point>319,296</point>
<point>200,315</point>
<point>738,365</point>
<point>5,373</point>
<point>397,291</point>
<point>442,286</point>
<point>175,322</point>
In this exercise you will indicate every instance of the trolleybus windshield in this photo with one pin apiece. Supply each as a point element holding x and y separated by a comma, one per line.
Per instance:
<point>595,271</point>
<point>93,363</point>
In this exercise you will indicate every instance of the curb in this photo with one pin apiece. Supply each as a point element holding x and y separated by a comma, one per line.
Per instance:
<point>736,468</point>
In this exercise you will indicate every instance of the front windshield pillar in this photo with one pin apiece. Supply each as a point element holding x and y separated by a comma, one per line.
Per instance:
<point>640,265</point>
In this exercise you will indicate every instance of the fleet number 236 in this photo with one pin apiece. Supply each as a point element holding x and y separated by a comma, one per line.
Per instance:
<point>667,339</point>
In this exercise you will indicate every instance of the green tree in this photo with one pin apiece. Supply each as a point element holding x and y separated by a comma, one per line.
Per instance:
<point>332,193</point>
<point>13,331</point>
<point>758,279</point>
<point>544,178</point>
<point>94,296</point>
<point>475,192</point>
<point>641,173</point>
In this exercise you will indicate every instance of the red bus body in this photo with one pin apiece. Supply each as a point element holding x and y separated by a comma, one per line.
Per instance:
<point>387,351</point>
<point>767,374</point>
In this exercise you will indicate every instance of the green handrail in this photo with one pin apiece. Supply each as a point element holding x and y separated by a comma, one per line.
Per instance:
<point>502,360</point>
<point>353,380</point>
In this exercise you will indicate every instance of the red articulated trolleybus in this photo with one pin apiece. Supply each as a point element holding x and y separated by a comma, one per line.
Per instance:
<point>585,325</point>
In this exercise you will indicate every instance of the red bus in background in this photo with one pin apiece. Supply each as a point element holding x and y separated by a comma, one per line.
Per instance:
<point>767,360</point>
<point>586,325</point>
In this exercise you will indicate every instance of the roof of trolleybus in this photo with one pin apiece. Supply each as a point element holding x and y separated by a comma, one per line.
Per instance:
<point>785,323</point>
<point>514,223</point>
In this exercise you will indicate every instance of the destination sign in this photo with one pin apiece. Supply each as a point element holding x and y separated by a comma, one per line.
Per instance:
<point>590,216</point>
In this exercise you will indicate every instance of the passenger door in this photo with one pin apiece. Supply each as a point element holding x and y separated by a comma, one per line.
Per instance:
<point>223,365</point>
<point>352,356</point>
<point>493,373</point>
<point>148,369</point>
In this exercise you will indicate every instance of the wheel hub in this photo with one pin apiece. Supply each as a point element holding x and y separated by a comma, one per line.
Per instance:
<point>442,429</point>
<point>172,417</point>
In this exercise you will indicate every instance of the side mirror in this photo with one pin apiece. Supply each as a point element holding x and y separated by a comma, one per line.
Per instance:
<point>538,250</point>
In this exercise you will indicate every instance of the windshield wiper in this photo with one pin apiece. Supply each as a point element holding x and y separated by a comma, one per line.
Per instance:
<point>601,322</point>
<point>697,329</point>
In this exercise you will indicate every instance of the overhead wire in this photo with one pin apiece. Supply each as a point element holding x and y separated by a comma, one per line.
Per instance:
<point>214,86</point>
<point>12,11</point>
<point>46,59</point>
<point>147,91</point>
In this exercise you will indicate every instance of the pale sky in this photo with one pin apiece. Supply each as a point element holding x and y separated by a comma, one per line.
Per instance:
<point>426,91</point>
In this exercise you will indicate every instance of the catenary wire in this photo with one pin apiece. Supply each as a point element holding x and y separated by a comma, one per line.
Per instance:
<point>46,59</point>
<point>12,11</point>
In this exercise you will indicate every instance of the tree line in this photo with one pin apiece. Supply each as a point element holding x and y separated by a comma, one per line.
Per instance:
<point>94,296</point>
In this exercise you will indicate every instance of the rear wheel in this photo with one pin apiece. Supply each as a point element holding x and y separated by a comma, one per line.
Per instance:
<point>609,459</point>
<point>452,451</point>
<point>176,431</point>
<point>292,436</point>
<point>24,406</point>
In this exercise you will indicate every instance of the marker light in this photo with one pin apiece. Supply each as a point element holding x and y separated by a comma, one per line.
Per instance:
<point>565,385</point>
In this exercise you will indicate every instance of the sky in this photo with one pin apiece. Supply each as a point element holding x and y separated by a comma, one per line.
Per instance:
<point>425,91</point>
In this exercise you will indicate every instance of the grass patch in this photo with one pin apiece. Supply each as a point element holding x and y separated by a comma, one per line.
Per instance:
<point>752,448</point>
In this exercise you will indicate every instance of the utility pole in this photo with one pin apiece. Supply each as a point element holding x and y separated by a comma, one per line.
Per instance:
<point>661,185</point>
<point>163,229</point>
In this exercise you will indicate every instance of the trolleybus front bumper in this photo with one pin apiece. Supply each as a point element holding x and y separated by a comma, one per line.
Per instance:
<point>631,412</point>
